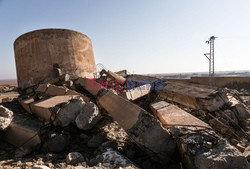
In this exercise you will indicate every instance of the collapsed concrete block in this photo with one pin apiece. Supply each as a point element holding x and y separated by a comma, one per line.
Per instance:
<point>193,96</point>
<point>90,85</point>
<point>88,116</point>
<point>72,92</point>
<point>242,112</point>
<point>54,90</point>
<point>141,126</point>
<point>6,117</point>
<point>122,73</point>
<point>138,92</point>
<point>117,77</point>
<point>203,149</point>
<point>26,104</point>
<point>42,88</point>
<point>48,108</point>
<point>171,115</point>
<point>23,131</point>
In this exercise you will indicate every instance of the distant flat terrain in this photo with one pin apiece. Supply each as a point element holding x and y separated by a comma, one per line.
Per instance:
<point>8,82</point>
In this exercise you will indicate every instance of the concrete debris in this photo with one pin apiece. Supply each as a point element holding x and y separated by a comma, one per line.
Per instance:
<point>26,104</point>
<point>23,131</point>
<point>138,92</point>
<point>203,149</point>
<point>61,111</point>
<point>122,73</point>
<point>140,125</point>
<point>54,90</point>
<point>49,109</point>
<point>68,112</point>
<point>42,88</point>
<point>171,115</point>
<point>113,159</point>
<point>88,116</point>
<point>113,76</point>
<point>74,158</point>
<point>193,96</point>
<point>6,117</point>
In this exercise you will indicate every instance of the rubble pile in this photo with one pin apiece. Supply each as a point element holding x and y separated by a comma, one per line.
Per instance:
<point>68,114</point>
<point>75,122</point>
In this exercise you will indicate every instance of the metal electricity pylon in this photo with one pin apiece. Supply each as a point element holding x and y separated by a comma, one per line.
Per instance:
<point>210,57</point>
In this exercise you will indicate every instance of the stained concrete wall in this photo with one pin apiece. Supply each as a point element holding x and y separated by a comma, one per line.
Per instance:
<point>36,52</point>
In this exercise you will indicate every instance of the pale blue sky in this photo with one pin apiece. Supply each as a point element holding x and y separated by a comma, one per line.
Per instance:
<point>143,36</point>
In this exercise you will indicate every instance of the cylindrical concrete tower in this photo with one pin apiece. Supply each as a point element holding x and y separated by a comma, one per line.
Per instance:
<point>36,52</point>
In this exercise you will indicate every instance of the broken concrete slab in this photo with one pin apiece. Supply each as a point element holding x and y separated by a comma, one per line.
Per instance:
<point>26,103</point>
<point>142,127</point>
<point>122,73</point>
<point>54,90</point>
<point>6,117</point>
<point>73,92</point>
<point>88,116</point>
<point>47,109</point>
<point>23,131</point>
<point>193,96</point>
<point>42,88</point>
<point>138,92</point>
<point>203,149</point>
<point>90,85</point>
<point>117,77</point>
<point>171,115</point>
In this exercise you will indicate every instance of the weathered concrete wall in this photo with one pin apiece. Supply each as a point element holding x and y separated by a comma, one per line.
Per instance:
<point>36,52</point>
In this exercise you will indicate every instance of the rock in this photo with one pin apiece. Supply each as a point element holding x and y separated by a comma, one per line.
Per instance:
<point>95,141</point>
<point>113,159</point>
<point>74,158</point>
<point>68,112</point>
<point>6,116</point>
<point>40,167</point>
<point>57,143</point>
<point>88,117</point>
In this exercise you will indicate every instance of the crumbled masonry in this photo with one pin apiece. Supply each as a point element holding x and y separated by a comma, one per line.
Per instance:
<point>6,117</point>
<point>69,113</point>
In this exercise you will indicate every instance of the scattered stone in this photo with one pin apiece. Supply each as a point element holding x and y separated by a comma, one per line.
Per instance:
<point>113,159</point>
<point>196,155</point>
<point>88,117</point>
<point>40,167</point>
<point>57,143</point>
<point>6,117</point>
<point>68,112</point>
<point>74,158</point>
<point>54,90</point>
